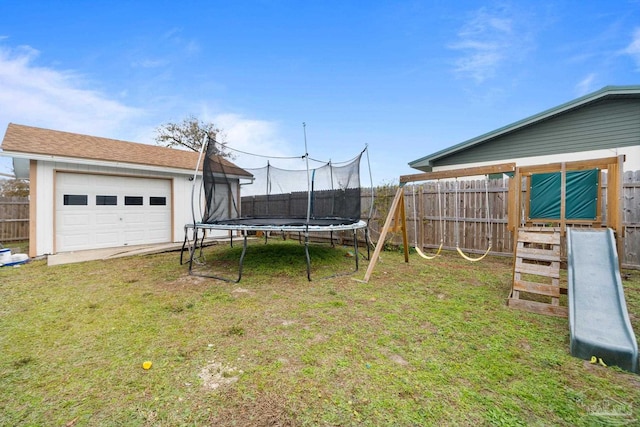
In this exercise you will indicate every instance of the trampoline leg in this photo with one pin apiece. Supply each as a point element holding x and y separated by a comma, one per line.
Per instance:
<point>306,253</point>
<point>184,244</point>
<point>367,242</point>
<point>192,250</point>
<point>213,276</point>
<point>356,255</point>
<point>244,251</point>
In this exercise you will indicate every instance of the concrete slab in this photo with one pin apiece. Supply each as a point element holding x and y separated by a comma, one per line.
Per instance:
<point>109,253</point>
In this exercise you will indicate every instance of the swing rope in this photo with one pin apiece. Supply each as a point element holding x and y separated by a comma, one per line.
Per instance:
<point>462,254</point>
<point>415,228</point>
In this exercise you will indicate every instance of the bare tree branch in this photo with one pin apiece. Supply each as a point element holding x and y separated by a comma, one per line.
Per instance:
<point>190,134</point>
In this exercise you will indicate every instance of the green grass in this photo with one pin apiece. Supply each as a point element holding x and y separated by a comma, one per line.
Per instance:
<point>424,343</point>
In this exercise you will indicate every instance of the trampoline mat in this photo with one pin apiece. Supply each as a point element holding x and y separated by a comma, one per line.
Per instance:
<point>285,222</point>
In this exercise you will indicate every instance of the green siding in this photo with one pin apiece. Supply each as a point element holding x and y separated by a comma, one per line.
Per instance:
<point>604,124</point>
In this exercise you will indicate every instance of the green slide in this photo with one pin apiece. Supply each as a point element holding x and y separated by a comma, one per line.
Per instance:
<point>598,318</point>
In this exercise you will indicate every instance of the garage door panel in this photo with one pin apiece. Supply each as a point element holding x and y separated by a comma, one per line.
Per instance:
<point>72,220</point>
<point>134,219</point>
<point>106,239</point>
<point>111,219</point>
<point>135,237</point>
<point>76,241</point>
<point>97,216</point>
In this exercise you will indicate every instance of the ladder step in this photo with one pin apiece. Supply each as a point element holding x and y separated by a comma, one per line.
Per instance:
<point>545,238</point>
<point>539,254</point>
<point>537,288</point>
<point>538,307</point>
<point>539,270</point>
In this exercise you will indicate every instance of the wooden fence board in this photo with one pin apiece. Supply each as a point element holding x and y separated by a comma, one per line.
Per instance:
<point>463,216</point>
<point>14,219</point>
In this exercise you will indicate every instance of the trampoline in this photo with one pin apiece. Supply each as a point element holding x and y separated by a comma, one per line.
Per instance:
<point>272,200</point>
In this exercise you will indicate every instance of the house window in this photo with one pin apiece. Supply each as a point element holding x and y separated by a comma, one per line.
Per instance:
<point>133,200</point>
<point>106,200</point>
<point>157,201</point>
<point>75,199</point>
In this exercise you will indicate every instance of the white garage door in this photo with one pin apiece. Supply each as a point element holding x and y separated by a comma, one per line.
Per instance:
<point>101,211</point>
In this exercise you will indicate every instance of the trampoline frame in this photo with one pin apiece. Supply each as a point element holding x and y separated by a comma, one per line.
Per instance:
<point>196,244</point>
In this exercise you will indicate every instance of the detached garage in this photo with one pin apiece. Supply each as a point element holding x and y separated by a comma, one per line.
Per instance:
<point>103,211</point>
<point>89,192</point>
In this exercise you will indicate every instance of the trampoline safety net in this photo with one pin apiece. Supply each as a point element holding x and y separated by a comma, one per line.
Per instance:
<point>328,194</point>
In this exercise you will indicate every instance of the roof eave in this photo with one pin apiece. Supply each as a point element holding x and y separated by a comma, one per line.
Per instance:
<point>426,162</point>
<point>92,162</point>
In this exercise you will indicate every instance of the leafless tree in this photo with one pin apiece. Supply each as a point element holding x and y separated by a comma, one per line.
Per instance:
<point>190,134</point>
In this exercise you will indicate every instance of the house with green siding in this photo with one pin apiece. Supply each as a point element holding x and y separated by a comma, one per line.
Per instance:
<point>601,124</point>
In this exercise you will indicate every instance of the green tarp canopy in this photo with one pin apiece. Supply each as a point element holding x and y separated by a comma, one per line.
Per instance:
<point>581,194</point>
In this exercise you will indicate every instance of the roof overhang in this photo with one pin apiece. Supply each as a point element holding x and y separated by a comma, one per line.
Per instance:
<point>21,164</point>
<point>91,162</point>
<point>427,163</point>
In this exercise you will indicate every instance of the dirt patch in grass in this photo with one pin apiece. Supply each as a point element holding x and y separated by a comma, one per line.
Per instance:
<point>216,374</point>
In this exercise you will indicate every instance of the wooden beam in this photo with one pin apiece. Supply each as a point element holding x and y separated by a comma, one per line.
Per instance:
<point>538,307</point>
<point>393,211</point>
<point>457,173</point>
<point>33,200</point>
<point>403,228</point>
<point>615,204</point>
<point>603,163</point>
<point>563,199</point>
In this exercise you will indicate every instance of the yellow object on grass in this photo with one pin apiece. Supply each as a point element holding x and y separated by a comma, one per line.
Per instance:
<point>147,365</point>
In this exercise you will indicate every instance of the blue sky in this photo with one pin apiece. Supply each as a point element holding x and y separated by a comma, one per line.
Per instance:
<point>408,78</point>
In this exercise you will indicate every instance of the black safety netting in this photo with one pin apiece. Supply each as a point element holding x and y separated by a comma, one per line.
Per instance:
<point>327,194</point>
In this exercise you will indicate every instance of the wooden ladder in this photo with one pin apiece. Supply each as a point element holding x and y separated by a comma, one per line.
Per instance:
<point>536,272</point>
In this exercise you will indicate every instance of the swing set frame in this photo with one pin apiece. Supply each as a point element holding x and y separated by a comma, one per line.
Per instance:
<point>518,204</point>
<point>397,219</point>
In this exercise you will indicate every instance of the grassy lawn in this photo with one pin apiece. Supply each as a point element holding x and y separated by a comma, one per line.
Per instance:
<point>424,343</point>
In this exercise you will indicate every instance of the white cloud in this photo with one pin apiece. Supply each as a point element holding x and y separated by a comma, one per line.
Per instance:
<point>259,137</point>
<point>486,42</point>
<point>45,97</point>
<point>633,49</point>
<point>149,63</point>
<point>585,85</point>
<point>63,100</point>
<point>54,99</point>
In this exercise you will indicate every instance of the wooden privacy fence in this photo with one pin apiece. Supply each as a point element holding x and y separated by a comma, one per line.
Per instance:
<point>14,219</point>
<point>470,214</point>
<point>461,218</point>
<point>631,219</point>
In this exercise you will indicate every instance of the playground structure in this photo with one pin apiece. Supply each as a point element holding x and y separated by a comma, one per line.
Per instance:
<point>574,201</point>
<point>396,219</point>
<point>543,200</point>
<point>546,204</point>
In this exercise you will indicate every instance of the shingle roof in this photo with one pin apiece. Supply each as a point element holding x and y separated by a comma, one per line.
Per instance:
<point>33,140</point>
